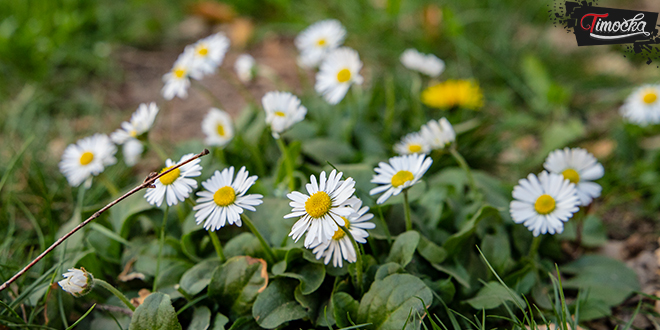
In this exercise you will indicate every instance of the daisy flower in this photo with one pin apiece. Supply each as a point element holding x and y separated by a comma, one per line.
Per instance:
<point>580,168</point>
<point>140,123</point>
<point>177,81</point>
<point>283,109</point>
<point>322,209</point>
<point>209,52</point>
<point>438,134</point>
<point>224,199</point>
<point>244,67</point>
<point>544,203</point>
<point>86,158</point>
<point>77,282</point>
<point>401,173</point>
<point>132,150</point>
<point>177,184</point>
<point>217,127</point>
<point>340,247</point>
<point>413,143</point>
<point>339,70</point>
<point>318,40</point>
<point>453,93</point>
<point>642,107</point>
<point>427,64</point>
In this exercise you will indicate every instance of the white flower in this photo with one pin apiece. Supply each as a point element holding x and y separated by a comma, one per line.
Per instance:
<point>177,184</point>
<point>77,282</point>
<point>340,246</point>
<point>86,158</point>
<point>642,107</point>
<point>543,204</point>
<point>401,173</point>
<point>141,122</point>
<point>217,127</point>
<point>244,67</point>
<point>580,168</point>
<point>427,64</point>
<point>322,209</point>
<point>223,201</point>
<point>413,143</point>
<point>339,70</point>
<point>318,40</point>
<point>438,134</point>
<point>132,150</point>
<point>177,81</point>
<point>283,109</point>
<point>209,52</point>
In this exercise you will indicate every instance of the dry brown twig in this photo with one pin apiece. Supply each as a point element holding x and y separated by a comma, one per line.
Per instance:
<point>148,183</point>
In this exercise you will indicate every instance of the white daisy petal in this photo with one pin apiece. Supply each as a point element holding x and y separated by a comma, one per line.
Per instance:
<point>642,107</point>
<point>175,185</point>
<point>218,128</point>
<point>407,170</point>
<point>427,64</point>
<point>339,70</point>
<point>579,167</point>
<point>283,110</point>
<point>86,158</point>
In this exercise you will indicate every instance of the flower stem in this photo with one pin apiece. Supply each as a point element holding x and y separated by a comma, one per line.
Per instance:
<point>114,291</point>
<point>415,91</point>
<point>384,224</point>
<point>287,163</point>
<point>220,154</point>
<point>269,252</point>
<point>160,247</point>
<point>358,254</point>
<point>159,151</point>
<point>218,246</point>
<point>406,208</point>
<point>464,165</point>
<point>536,242</point>
<point>109,186</point>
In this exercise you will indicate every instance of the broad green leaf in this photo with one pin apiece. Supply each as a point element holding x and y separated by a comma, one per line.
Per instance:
<point>456,240</point>
<point>344,307</point>
<point>403,248</point>
<point>155,313</point>
<point>444,288</point>
<point>237,283</point>
<point>277,304</point>
<point>272,224</point>
<point>300,265</point>
<point>594,272</point>
<point>594,233</point>
<point>494,294</point>
<point>220,322</point>
<point>106,248</point>
<point>497,251</point>
<point>244,244</point>
<point>387,270</point>
<point>388,302</point>
<point>201,319</point>
<point>245,323</point>
<point>171,271</point>
<point>431,251</point>
<point>123,214</point>
<point>310,302</point>
<point>324,149</point>
<point>197,278</point>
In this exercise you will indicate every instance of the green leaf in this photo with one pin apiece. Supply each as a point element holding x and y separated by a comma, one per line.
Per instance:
<point>344,306</point>
<point>497,251</point>
<point>277,304</point>
<point>594,233</point>
<point>201,319</point>
<point>220,322</point>
<point>492,295</point>
<point>387,270</point>
<point>324,149</point>
<point>245,323</point>
<point>197,278</point>
<point>237,283</point>
<point>272,224</point>
<point>457,240</point>
<point>297,265</point>
<point>388,302</point>
<point>594,272</point>
<point>431,251</point>
<point>403,248</point>
<point>244,244</point>
<point>155,313</point>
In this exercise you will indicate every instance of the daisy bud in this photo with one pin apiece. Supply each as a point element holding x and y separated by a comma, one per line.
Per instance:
<point>77,282</point>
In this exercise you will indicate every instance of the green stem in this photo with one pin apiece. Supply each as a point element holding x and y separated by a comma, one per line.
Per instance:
<point>415,91</point>
<point>109,186</point>
<point>160,247</point>
<point>406,208</point>
<point>536,242</point>
<point>218,246</point>
<point>287,163</point>
<point>358,262</point>
<point>159,151</point>
<point>384,224</point>
<point>269,252</point>
<point>114,291</point>
<point>464,165</point>
<point>390,105</point>
<point>220,154</point>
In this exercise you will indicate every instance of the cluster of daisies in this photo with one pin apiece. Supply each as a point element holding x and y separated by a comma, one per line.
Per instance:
<point>434,135</point>
<point>642,107</point>
<point>544,202</point>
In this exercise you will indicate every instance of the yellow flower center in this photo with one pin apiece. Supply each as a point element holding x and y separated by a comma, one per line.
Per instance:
<point>344,75</point>
<point>86,158</point>
<point>225,196</point>
<point>168,178</point>
<point>179,72</point>
<point>401,177</point>
<point>650,97</point>
<point>280,114</point>
<point>202,50</point>
<point>321,42</point>
<point>132,133</point>
<point>414,148</point>
<point>339,234</point>
<point>318,204</point>
<point>571,175</point>
<point>544,204</point>
<point>220,129</point>
<point>453,93</point>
